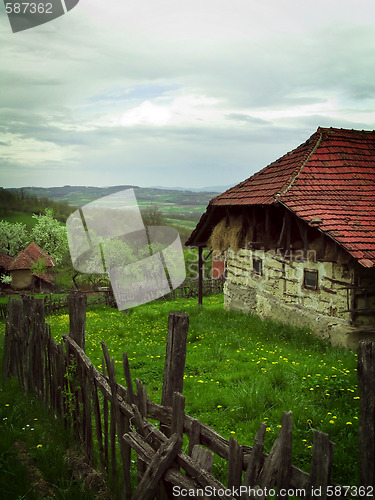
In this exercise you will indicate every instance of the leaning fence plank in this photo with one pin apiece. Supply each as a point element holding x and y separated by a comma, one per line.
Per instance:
<point>86,413</point>
<point>97,417</point>
<point>321,465</point>
<point>77,303</point>
<point>234,464</point>
<point>159,464</point>
<point>112,440</point>
<point>194,435</point>
<point>191,467</point>
<point>204,457</point>
<point>47,366</point>
<point>119,423</point>
<point>268,475</point>
<point>366,433</point>
<point>114,409</point>
<point>285,459</point>
<point>256,459</point>
<point>106,434</point>
<point>137,421</point>
<point>178,414</point>
<point>128,378</point>
<point>141,397</point>
<point>35,349</point>
<point>178,324</point>
<point>13,327</point>
<point>173,380</point>
<point>174,476</point>
<point>61,382</point>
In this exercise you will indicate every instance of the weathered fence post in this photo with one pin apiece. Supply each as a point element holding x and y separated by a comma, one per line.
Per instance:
<point>77,303</point>
<point>178,325</point>
<point>12,329</point>
<point>321,465</point>
<point>200,275</point>
<point>366,433</point>
<point>117,422</point>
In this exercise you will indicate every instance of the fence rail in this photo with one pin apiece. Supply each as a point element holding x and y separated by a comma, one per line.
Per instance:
<point>187,290</point>
<point>110,419</point>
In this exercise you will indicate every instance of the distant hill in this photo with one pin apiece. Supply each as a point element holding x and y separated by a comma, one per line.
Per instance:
<point>174,203</point>
<point>206,189</point>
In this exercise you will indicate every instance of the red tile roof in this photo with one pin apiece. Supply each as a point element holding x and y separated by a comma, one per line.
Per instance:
<point>330,177</point>
<point>47,277</point>
<point>5,260</point>
<point>30,256</point>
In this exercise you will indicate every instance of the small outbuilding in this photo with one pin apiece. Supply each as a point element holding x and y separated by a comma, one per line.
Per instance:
<point>298,237</point>
<point>22,273</point>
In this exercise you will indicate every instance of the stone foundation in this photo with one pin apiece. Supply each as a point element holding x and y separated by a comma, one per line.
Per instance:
<point>250,300</point>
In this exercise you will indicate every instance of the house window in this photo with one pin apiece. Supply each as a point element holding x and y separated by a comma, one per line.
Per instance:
<point>310,279</point>
<point>257,267</point>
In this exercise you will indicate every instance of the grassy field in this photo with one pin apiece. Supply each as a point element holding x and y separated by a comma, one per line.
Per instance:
<point>187,224</point>
<point>240,371</point>
<point>22,217</point>
<point>33,449</point>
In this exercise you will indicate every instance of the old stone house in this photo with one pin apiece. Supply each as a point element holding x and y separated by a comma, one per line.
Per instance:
<point>298,237</point>
<point>21,272</point>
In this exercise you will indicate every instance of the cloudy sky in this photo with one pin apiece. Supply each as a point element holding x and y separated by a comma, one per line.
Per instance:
<point>168,93</point>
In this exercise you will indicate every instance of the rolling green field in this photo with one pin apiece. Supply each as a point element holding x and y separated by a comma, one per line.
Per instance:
<point>240,371</point>
<point>172,202</point>
<point>17,216</point>
<point>186,224</point>
<point>179,209</point>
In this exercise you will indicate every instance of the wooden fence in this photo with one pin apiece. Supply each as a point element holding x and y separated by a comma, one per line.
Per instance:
<point>3,311</point>
<point>188,289</point>
<point>111,420</point>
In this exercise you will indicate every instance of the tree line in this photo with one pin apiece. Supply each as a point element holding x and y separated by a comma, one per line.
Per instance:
<point>19,200</point>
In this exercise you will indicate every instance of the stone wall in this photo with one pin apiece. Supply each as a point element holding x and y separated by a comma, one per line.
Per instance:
<point>279,292</point>
<point>21,278</point>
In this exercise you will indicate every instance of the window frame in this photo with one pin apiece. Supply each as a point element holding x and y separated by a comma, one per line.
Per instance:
<point>259,261</point>
<point>316,274</point>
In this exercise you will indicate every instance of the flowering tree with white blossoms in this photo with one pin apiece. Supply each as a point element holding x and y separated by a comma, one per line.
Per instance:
<point>50,235</point>
<point>13,237</point>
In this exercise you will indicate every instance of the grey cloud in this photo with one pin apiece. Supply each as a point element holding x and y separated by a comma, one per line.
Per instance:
<point>246,118</point>
<point>73,71</point>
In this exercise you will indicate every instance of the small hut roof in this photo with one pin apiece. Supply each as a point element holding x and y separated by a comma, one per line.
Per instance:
<point>29,256</point>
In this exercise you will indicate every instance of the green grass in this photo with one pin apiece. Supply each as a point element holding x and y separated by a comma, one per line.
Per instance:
<point>22,217</point>
<point>23,420</point>
<point>187,224</point>
<point>240,371</point>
